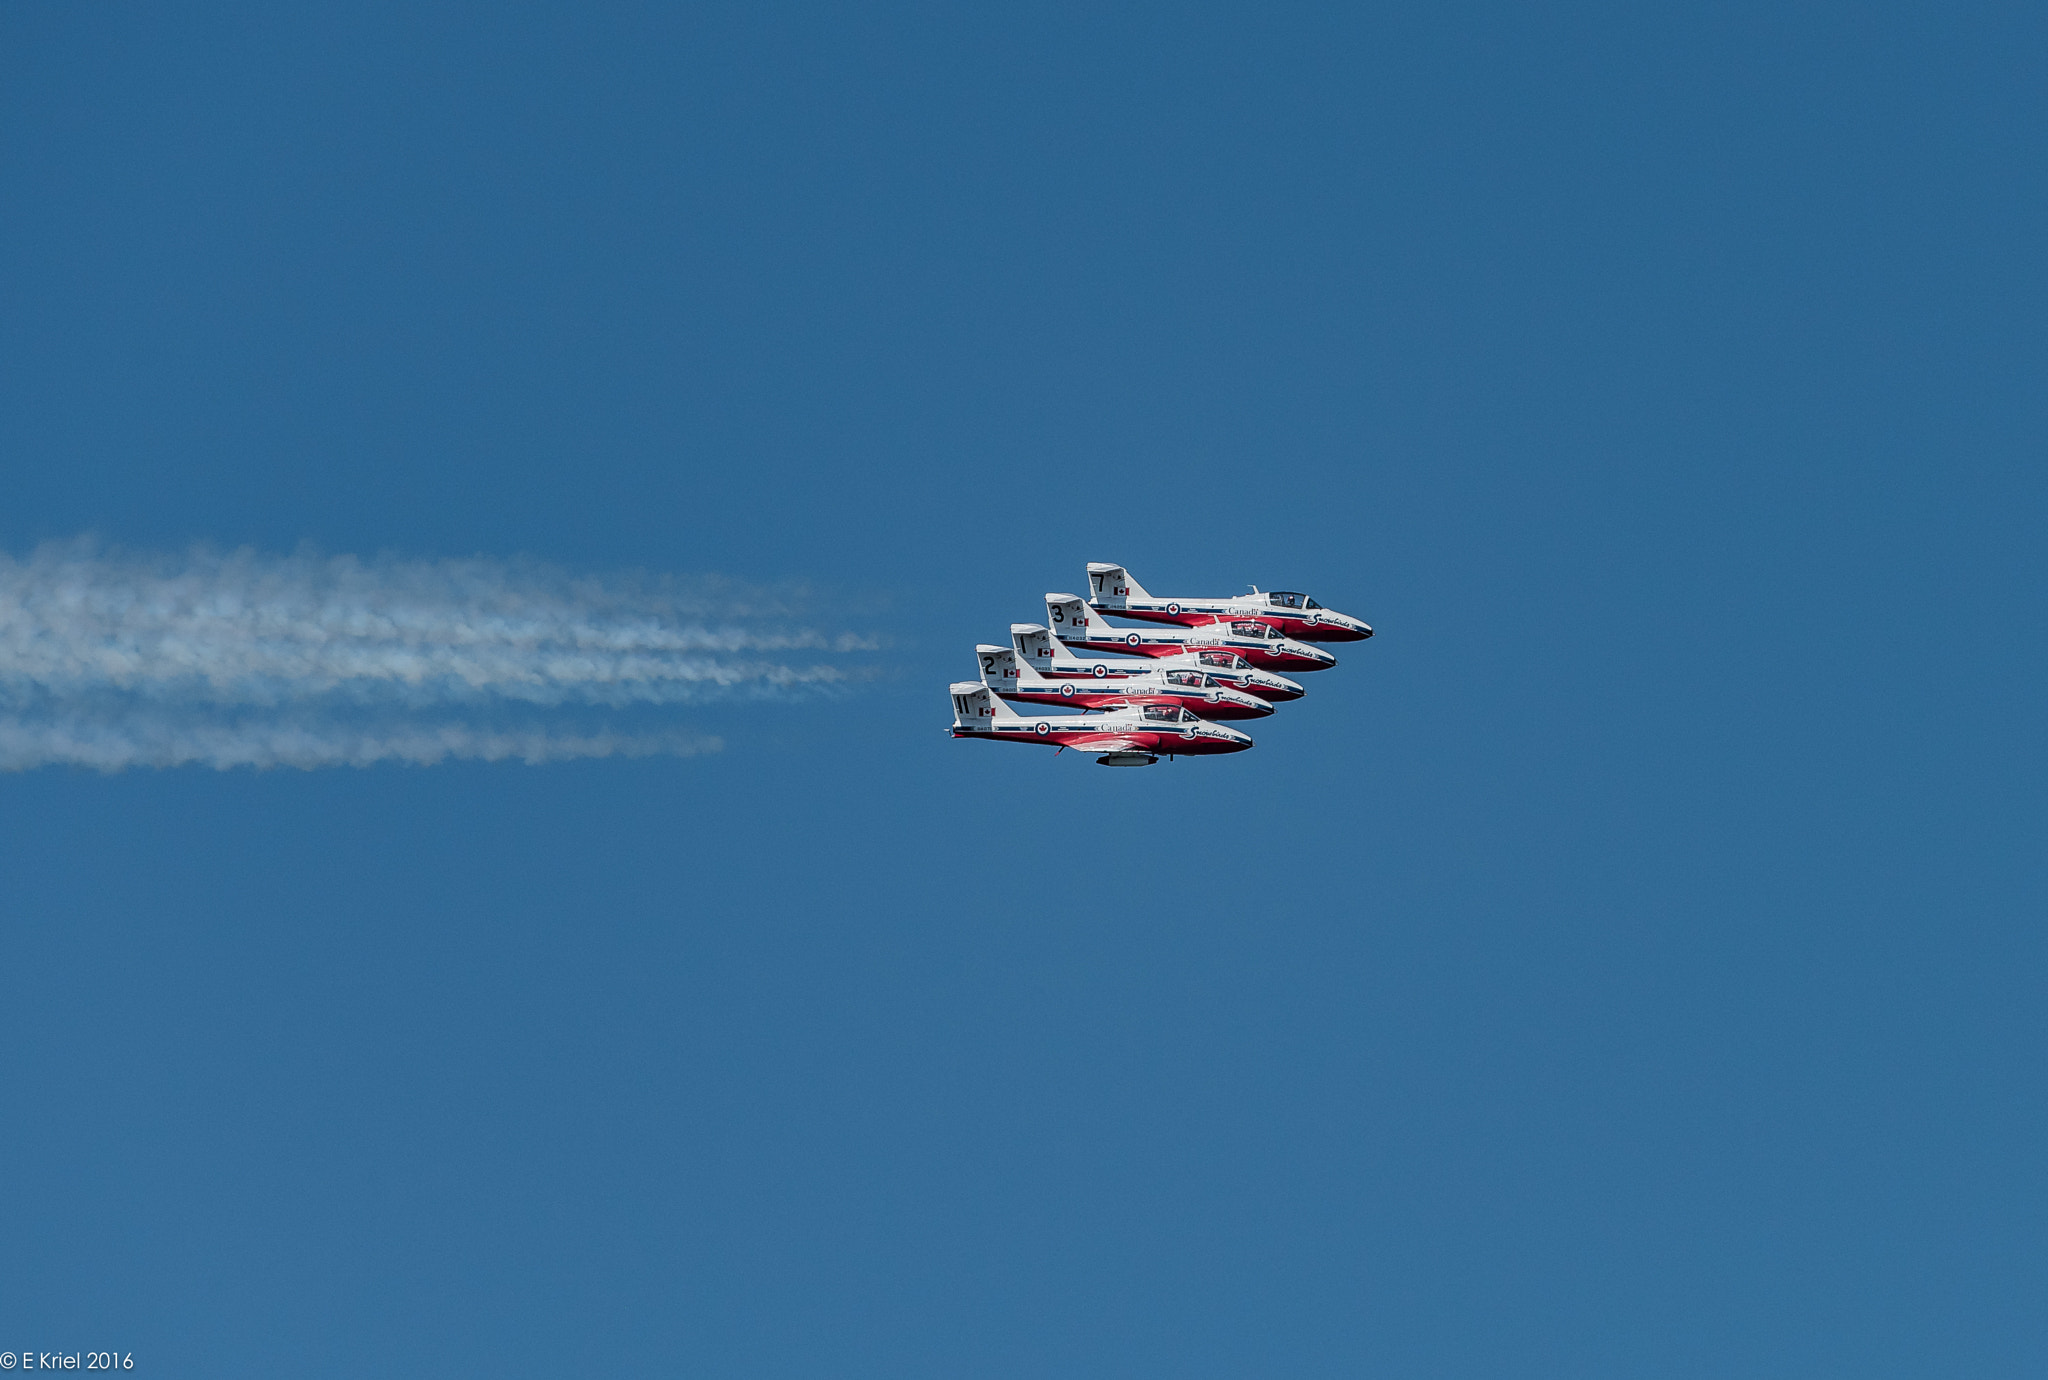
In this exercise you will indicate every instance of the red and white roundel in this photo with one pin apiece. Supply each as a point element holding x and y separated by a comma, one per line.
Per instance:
<point>1100,670</point>
<point>1173,608</point>
<point>1132,639</point>
<point>1067,691</point>
<point>1044,729</point>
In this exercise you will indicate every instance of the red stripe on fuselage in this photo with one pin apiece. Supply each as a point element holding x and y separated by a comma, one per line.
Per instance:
<point>1136,740</point>
<point>1257,656</point>
<point>1195,702</point>
<point>1288,624</point>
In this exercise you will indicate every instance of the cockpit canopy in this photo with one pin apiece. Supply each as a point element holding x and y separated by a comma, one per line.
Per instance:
<point>1287,599</point>
<point>1168,714</point>
<point>1259,630</point>
<point>1229,661</point>
<point>1192,680</point>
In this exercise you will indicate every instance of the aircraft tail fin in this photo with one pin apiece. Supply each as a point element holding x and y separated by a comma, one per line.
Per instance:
<point>1033,645</point>
<point>998,667</point>
<point>1029,677</point>
<point>975,705</point>
<point>1110,585</point>
<point>1070,616</point>
<point>1039,649</point>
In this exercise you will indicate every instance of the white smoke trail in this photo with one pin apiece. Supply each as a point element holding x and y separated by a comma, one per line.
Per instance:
<point>159,741</point>
<point>113,659</point>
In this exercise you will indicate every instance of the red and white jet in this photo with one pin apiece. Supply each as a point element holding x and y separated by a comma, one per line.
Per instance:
<point>1034,643</point>
<point>1135,736</point>
<point>1113,591</point>
<point>1078,625</point>
<point>1017,680</point>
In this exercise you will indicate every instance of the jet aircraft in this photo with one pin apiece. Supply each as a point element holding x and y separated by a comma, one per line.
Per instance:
<point>1135,736</point>
<point>1113,591</point>
<point>1078,625</point>
<point>1035,644</point>
<point>1016,679</point>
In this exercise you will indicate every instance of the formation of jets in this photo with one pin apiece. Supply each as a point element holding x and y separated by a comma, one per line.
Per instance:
<point>1163,690</point>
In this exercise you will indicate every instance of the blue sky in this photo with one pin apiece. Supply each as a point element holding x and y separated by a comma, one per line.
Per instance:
<point>1628,963</point>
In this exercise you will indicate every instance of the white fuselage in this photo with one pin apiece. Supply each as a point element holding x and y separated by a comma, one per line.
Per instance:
<point>1111,590</point>
<point>1082,628</point>
<point>1055,660</point>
